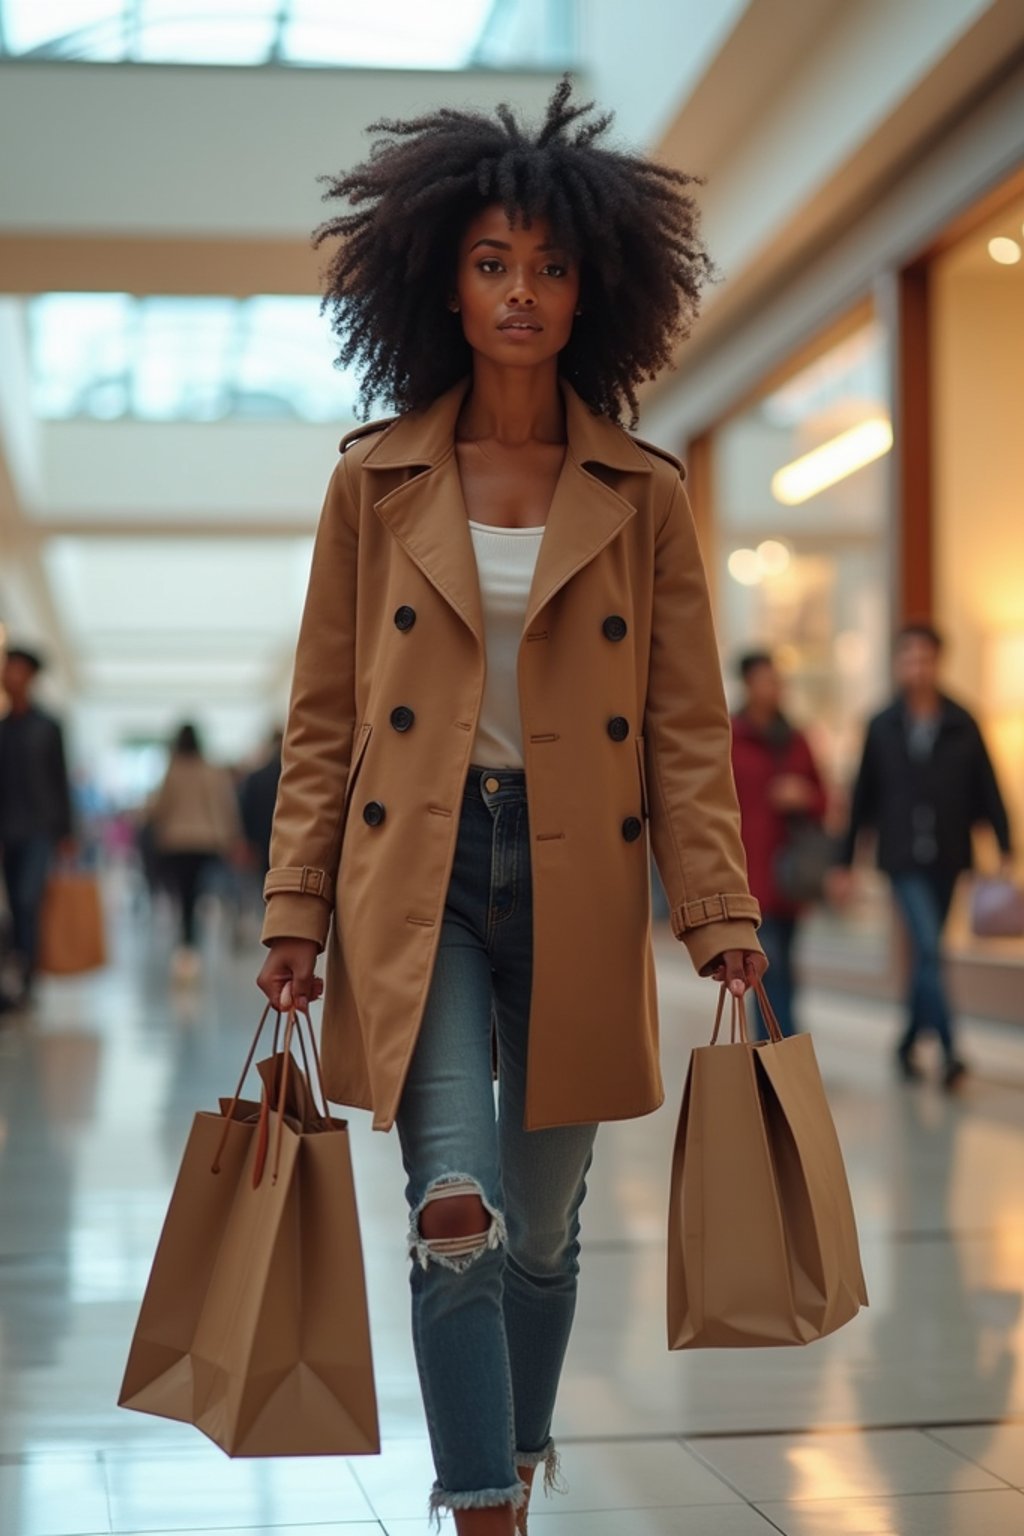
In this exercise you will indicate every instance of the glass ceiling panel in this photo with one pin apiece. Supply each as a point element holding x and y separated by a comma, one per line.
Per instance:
<point>404,34</point>
<point>111,356</point>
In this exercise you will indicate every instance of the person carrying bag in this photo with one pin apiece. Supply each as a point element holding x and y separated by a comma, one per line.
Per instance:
<point>762,1238</point>
<point>254,1324</point>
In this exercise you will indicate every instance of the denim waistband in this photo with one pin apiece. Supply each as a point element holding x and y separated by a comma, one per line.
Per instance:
<point>495,786</point>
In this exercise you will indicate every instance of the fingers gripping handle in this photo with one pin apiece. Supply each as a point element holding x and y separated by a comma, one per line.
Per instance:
<point>738,1023</point>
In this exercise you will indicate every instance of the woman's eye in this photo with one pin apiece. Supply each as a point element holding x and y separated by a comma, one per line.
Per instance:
<point>553,269</point>
<point>489,264</point>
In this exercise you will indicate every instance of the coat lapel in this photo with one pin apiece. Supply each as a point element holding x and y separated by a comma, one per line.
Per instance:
<point>427,513</point>
<point>585,513</point>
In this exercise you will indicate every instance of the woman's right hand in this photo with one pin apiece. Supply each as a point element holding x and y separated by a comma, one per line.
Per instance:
<point>288,975</point>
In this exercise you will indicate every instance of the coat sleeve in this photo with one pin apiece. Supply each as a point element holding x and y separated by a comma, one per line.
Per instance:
<point>695,820</point>
<point>864,800</point>
<point>64,819</point>
<point>306,839</point>
<point>988,802</point>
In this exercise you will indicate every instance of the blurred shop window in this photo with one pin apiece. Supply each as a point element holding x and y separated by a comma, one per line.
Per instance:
<point>802,520</point>
<point>405,34</point>
<point>802,523</point>
<point>110,356</point>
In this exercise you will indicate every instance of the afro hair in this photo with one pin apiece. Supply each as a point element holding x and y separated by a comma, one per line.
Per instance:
<point>629,221</point>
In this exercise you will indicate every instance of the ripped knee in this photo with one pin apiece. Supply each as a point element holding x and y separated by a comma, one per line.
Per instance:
<point>454,1224</point>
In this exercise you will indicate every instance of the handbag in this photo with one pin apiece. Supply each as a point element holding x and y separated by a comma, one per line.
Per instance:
<point>762,1246</point>
<point>997,909</point>
<point>804,860</point>
<point>254,1323</point>
<point>71,937</point>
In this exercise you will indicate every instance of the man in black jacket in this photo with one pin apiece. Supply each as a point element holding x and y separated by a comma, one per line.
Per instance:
<point>925,782</point>
<point>35,804</point>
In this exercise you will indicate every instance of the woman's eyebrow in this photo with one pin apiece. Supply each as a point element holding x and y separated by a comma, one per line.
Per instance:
<point>503,245</point>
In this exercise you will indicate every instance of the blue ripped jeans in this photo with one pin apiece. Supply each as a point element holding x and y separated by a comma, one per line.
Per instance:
<point>492,1312</point>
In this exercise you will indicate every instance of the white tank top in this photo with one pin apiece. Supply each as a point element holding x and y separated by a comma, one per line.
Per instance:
<point>505,562</point>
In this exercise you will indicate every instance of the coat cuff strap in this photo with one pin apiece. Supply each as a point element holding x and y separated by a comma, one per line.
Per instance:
<point>306,881</point>
<point>714,909</point>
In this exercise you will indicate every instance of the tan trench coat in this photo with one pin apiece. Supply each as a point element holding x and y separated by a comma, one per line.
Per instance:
<point>389,673</point>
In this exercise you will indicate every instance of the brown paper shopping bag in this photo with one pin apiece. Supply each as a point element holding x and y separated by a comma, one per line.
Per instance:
<point>254,1324</point>
<point>762,1240</point>
<point>71,925</point>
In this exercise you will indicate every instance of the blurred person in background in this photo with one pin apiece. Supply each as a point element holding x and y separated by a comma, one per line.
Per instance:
<point>35,809</point>
<point>925,781</point>
<point>257,796</point>
<point>195,821</point>
<point>777,780</point>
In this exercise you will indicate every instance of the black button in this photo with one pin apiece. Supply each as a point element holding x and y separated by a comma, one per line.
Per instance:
<point>631,828</point>
<point>615,627</point>
<point>405,617</point>
<point>374,813</point>
<point>618,728</point>
<point>402,717</point>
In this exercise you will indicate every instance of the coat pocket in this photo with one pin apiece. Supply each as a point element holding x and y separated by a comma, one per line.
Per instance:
<point>641,767</point>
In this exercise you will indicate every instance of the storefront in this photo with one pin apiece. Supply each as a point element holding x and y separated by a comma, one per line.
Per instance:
<point>872,474</point>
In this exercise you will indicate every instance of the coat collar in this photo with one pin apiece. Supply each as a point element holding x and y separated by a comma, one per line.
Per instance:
<point>426,437</point>
<point>427,513</point>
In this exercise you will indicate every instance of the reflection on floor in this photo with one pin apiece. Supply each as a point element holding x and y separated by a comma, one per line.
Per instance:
<point>909,1421</point>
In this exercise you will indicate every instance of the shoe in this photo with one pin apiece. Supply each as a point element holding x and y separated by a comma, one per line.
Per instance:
<point>954,1074</point>
<point>906,1066</point>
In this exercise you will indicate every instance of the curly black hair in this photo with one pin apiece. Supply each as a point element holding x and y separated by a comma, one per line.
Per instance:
<point>629,221</point>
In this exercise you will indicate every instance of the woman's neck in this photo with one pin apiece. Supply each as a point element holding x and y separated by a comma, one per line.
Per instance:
<point>512,406</point>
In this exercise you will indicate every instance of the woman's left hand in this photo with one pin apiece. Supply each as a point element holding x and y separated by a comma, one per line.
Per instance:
<point>739,969</point>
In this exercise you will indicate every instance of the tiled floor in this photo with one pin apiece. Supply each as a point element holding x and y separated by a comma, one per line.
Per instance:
<point>910,1422</point>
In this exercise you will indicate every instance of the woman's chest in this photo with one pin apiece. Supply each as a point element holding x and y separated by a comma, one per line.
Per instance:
<point>509,490</point>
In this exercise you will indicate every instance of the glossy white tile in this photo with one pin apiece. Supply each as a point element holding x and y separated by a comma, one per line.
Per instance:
<point>827,1466</point>
<point>630,1475</point>
<point>949,1514</point>
<point>53,1496</point>
<point>204,1490</point>
<point>999,1448</point>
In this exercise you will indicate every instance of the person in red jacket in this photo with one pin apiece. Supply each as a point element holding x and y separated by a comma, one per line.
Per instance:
<point>776,779</point>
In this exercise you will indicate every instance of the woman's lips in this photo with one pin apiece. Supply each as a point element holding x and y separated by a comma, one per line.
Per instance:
<point>519,325</point>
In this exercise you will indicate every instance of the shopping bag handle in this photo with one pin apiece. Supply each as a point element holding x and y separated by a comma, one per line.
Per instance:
<point>738,1033</point>
<point>291,1027</point>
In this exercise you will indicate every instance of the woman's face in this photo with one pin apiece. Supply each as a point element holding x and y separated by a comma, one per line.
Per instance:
<point>517,291</point>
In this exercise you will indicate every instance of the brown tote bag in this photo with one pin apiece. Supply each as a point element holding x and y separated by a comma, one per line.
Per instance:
<point>71,925</point>
<point>762,1245</point>
<point>254,1324</point>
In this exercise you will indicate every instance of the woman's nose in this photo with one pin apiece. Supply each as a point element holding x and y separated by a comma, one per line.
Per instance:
<point>522,293</point>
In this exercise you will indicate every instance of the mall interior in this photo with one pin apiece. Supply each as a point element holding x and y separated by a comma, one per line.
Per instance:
<point>169,416</point>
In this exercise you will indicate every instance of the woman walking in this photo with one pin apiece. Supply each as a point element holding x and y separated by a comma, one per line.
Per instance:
<point>506,674</point>
<point>195,820</point>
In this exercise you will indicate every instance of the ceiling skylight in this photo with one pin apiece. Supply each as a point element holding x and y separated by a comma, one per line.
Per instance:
<point>404,34</point>
<point>109,355</point>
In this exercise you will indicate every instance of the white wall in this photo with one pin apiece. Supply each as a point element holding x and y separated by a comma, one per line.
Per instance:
<point>642,59</point>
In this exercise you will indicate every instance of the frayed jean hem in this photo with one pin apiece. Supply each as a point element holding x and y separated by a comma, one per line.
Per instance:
<point>477,1498</point>
<point>552,1466</point>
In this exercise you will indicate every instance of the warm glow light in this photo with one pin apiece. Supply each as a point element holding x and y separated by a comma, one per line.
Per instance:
<point>774,557</point>
<point>833,461</point>
<point>745,567</point>
<point>1004,250</point>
